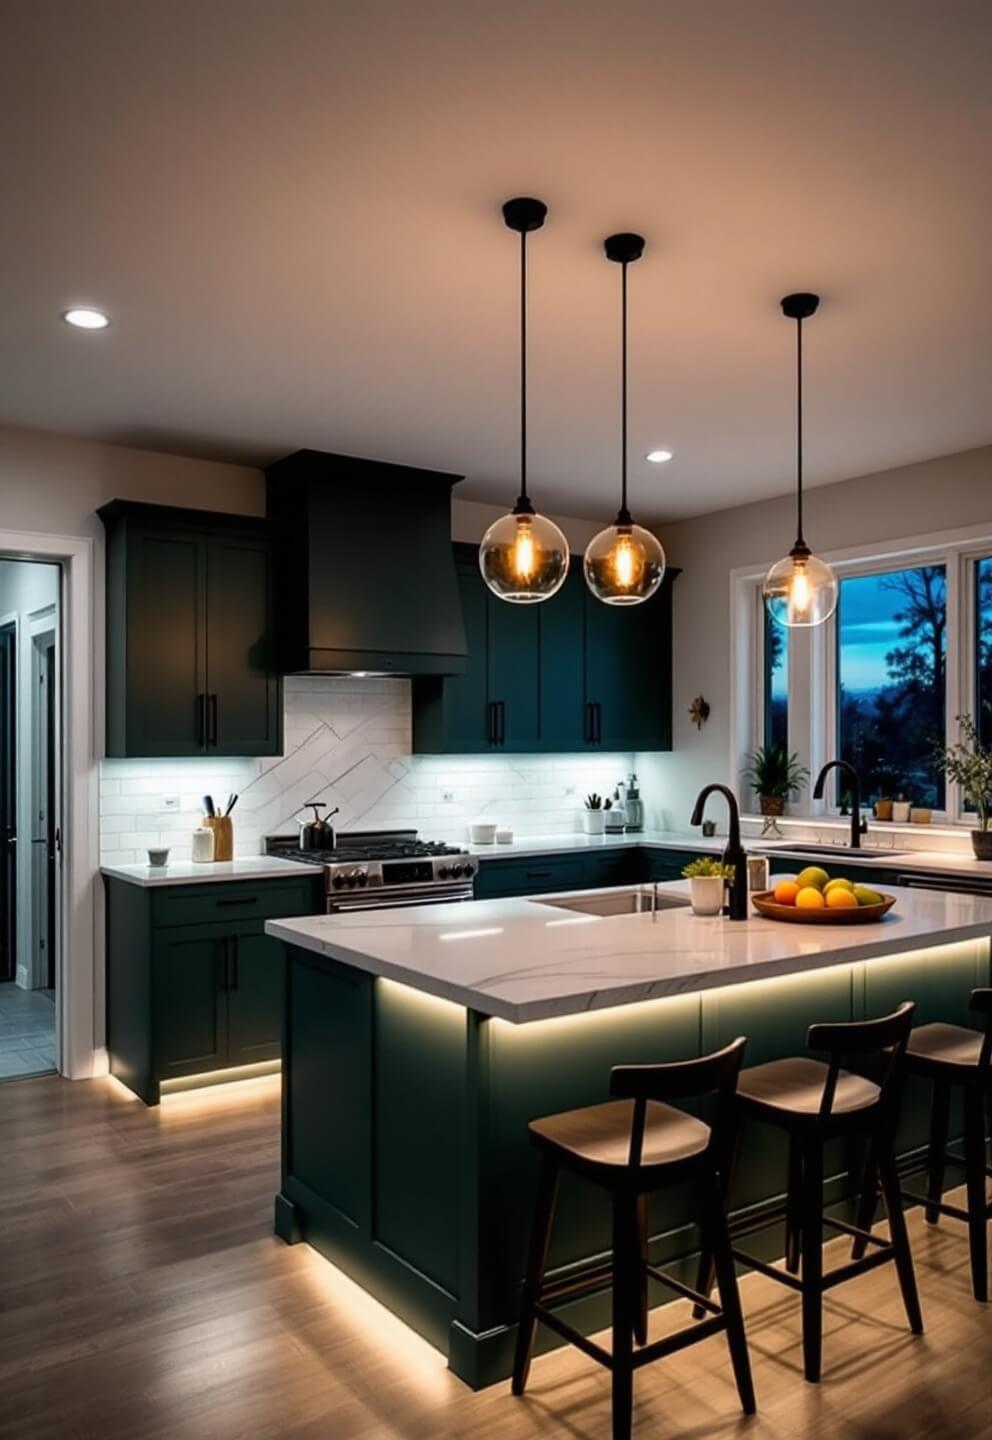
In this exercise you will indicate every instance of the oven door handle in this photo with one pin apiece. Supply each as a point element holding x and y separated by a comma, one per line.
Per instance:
<point>946,886</point>
<point>446,897</point>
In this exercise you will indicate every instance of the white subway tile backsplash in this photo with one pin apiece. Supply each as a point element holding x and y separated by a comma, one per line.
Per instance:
<point>348,744</point>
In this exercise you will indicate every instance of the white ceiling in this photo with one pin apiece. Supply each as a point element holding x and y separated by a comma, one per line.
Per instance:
<point>291,210</point>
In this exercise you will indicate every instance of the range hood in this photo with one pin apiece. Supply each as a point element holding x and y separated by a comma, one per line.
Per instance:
<point>364,573</point>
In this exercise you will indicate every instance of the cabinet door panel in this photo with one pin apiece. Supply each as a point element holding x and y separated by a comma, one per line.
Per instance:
<point>514,664</point>
<point>244,715</point>
<point>562,681</point>
<point>190,1000</point>
<point>166,651</point>
<point>254,996</point>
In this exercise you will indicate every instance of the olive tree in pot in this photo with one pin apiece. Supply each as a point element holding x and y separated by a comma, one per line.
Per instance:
<point>968,763</point>
<point>774,776</point>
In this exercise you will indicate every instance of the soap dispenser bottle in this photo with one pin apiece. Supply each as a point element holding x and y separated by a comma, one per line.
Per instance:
<point>634,805</point>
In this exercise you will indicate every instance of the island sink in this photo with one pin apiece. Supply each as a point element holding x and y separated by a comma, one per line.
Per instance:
<point>642,900</point>
<point>817,851</point>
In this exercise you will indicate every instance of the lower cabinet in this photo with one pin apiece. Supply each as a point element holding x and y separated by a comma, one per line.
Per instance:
<point>542,874</point>
<point>188,996</point>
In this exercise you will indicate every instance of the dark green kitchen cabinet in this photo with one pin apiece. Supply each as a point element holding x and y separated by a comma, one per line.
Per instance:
<point>189,636</point>
<point>570,674</point>
<point>194,985</point>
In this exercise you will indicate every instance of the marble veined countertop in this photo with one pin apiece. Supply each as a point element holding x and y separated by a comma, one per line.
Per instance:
<point>529,959</point>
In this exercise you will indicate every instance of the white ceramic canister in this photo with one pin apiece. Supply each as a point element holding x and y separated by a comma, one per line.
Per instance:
<point>203,845</point>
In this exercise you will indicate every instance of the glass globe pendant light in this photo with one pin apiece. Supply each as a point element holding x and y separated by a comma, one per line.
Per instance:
<point>624,564</point>
<point>524,556</point>
<point>800,591</point>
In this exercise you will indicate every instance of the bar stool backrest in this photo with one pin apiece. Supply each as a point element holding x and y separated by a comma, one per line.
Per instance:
<point>886,1037</point>
<point>682,1080</point>
<point>981,1001</point>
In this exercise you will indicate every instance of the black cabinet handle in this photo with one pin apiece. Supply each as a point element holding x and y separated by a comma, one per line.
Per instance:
<point>201,721</point>
<point>232,962</point>
<point>539,874</point>
<point>589,734</point>
<point>491,711</point>
<point>597,717</point>
<point>500,723</point>
<point>212,736</point>
<point>240,900</point>
<point>221,963</point>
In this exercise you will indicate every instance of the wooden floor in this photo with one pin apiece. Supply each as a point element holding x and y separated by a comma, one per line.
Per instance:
<point>140,1297</point>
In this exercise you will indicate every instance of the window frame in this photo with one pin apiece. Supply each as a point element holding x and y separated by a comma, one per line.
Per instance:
<point>813,661</point>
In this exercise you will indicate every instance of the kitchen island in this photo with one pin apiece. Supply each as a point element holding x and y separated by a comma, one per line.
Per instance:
<point>419,1043</point>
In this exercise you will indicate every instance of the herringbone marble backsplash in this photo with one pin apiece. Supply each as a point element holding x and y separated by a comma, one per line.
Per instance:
<point>347,744</point>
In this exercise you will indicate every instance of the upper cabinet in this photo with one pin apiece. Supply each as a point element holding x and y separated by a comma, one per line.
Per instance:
<point>189,667</point>
<point>568,674</point>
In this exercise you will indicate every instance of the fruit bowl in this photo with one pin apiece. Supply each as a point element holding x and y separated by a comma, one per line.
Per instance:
<point>765,903</point>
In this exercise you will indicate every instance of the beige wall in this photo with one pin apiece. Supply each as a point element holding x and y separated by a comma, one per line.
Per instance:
<point>917,500</point>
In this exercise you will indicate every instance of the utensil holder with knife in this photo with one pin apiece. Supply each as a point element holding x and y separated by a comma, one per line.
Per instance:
<point>223,828</point>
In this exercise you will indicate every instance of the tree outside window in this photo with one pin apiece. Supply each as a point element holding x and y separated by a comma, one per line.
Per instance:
<point>891,680</point>
<point>983,657</point>
<point>776,684</point>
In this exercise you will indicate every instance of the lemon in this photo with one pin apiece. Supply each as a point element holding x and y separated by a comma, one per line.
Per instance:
<point>866,896</point>
<point>813,875</point>
<point>841,899</point>
<point>841,883</point>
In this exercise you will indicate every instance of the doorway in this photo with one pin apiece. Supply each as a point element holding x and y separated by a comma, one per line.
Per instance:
<point>30,816</point>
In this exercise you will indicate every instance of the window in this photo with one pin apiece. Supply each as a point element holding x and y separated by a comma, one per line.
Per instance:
<point>776,695</point>
<point>891,679</point>
<point>983,649</point>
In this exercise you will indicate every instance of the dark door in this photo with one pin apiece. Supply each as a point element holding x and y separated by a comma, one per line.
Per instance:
<point>8,802</point>
<point>562,682</point>
<point>254,996</point>
<point>166,643</point>
<point>514,673</point>
<point>242,688</point>
<point>52,837</point>
<point>190,989</point>
<point>613,672</point>
<point>465,725</point>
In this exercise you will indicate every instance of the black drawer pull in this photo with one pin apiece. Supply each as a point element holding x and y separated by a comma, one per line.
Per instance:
<point>245,900</point>
<point>540,874</point>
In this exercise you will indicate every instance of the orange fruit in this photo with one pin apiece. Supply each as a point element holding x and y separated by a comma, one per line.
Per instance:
<point>810,898</point>
<point>841,899</point>
<point>785,892</point>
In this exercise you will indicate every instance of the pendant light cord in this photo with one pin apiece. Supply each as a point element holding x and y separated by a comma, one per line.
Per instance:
<point>623,518</point>
<point>523,505</point>
<point>800,539</point>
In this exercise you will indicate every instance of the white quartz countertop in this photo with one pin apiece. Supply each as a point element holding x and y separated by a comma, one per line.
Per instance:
<point>185,872</point>
<point>883,850</point>
<point>526,959</point>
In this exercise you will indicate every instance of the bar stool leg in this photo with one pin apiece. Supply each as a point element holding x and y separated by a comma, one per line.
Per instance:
<point>867,1201</point>
<point>889,1176</point>
<point>794,1209</point>
<point>718,1242</point>
<point>540,1235</point>
<point>626,1249</point>
<point>812,1258</point>
<point>974,1151</point>
<point>940,1102</point>
<point>641,1313</point>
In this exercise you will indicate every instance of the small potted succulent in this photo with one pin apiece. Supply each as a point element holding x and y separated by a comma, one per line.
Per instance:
<point>968,763</point>
<point>594,819</point>
<point>708,880</point>
<point>775,776</point>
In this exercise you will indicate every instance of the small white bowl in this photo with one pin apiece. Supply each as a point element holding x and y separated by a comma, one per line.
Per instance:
<point>504,836</point>
<point>482,832</point>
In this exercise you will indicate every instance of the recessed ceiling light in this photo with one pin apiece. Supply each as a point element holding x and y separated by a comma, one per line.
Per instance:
<point>86,319</point>
<point>658,457</point>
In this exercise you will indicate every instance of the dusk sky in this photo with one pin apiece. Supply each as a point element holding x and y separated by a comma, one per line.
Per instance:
<point>868,630</point>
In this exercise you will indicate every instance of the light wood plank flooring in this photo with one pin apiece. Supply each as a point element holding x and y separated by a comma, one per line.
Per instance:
<point>142,1295</point>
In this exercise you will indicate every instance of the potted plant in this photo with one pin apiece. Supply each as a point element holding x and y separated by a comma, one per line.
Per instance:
<point>968,763</point>
<point>594,820</point>
<point>707,883</point>
<point>774,775</point>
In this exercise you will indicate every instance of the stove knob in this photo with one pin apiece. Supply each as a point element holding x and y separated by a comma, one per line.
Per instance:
<point>363,877</point>
<point>456,872</point>
<point>351,878</point>
<point>337,881</point>
<point>469,871</point>
<point>443,872</point>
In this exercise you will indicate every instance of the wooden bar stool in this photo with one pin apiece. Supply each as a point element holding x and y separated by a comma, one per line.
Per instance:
<point>632,1146</point>
<point>952,1056</point>
<point>814,1102</point>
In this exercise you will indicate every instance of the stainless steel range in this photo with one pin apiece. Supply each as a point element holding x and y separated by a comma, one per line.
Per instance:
<point>373,869</point>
